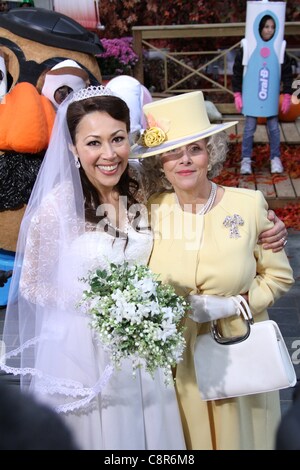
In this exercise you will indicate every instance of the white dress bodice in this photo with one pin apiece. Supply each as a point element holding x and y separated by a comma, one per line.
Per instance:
<point>97,249</point>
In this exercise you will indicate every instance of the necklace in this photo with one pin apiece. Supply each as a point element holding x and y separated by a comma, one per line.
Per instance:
<point>210,201</point>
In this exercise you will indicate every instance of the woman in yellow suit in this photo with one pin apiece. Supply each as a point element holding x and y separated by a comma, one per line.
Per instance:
<point>206,246</point>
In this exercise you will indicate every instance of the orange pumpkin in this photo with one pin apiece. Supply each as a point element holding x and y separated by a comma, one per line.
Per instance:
<point>26,120</point>
<point>293,112</point>
<point>290,116</point>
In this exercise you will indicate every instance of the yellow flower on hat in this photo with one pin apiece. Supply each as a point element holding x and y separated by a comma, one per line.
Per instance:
<point>153,136</point>
<point>156,132</point>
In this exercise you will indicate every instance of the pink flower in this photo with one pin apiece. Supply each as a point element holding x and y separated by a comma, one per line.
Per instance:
<point>119,57</point>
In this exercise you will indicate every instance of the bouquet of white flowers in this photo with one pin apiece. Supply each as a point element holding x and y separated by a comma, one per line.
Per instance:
<point>136,316</point>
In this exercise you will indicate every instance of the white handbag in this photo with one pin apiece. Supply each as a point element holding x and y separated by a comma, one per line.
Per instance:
<point>256,362</point>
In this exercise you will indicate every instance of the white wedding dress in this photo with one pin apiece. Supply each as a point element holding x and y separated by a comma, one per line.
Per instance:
<point>130,413</point>
<point>117,411</point>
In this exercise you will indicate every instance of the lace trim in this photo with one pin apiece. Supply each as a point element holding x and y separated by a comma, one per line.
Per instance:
<point>54,385</point>
<point>93,392</point>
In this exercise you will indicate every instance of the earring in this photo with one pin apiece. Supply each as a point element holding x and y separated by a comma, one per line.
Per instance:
<point>209,167</point>
<point>77,162</point>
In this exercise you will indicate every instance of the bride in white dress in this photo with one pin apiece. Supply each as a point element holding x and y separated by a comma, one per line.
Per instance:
<point>76,221</point>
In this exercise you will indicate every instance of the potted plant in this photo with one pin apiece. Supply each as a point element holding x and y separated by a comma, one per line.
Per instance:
<point>118,57</point>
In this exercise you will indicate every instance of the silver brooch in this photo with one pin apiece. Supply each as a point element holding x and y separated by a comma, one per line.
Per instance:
<point>232,223</point>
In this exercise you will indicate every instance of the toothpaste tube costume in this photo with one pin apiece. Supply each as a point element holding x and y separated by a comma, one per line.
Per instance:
<point>262,60</point>
<point>260,66</point>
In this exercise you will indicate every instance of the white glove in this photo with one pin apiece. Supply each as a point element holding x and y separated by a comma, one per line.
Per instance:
<point>206,308</point>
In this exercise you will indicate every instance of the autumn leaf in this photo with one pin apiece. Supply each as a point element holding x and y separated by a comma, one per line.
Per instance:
<point>290,215</point>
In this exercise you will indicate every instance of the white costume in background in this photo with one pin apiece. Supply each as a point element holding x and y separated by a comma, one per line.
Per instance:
<point>135,96</point>
<point>66,73</point>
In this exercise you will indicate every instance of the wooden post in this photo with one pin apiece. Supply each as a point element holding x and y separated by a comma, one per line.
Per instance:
<point>138,70</point>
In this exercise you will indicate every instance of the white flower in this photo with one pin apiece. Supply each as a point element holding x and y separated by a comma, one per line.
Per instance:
<point>167,313</point>
<point>146,286</point>
<point>135,316</point>
<point>167,329</point>
<point>154,308</point>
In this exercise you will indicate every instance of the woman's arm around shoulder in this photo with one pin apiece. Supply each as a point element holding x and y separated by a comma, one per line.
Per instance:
<point>275,237</point>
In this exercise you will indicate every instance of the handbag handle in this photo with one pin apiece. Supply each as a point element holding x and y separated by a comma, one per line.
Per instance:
<point>244,309</point>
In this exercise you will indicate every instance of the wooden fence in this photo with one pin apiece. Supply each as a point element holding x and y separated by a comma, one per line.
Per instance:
<point>143,35</point>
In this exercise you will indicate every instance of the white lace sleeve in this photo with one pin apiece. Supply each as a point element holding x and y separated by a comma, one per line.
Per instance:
<point>38,281</point>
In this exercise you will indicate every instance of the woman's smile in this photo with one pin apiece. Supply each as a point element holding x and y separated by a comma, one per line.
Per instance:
<point>109,169</point>
<point>186,172</point>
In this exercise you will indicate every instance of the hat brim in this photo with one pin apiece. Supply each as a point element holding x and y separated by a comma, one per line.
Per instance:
<point>139,151</point>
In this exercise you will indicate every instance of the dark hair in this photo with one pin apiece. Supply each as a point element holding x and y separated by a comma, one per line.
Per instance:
<point>263,21</point>
<point>117,109</point>
<point>26,424</point>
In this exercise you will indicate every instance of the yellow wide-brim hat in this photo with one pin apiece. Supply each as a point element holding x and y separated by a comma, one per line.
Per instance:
<point>173,122</point>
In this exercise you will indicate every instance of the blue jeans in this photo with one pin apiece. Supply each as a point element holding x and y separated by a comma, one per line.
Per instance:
<point>273,134</point>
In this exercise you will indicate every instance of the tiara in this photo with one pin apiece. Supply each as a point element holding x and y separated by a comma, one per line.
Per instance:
<point>92,91</point>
